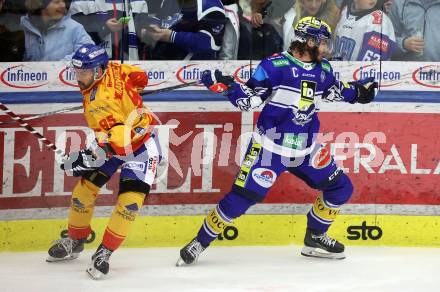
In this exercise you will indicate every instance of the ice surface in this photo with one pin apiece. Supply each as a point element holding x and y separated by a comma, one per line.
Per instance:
<point>267,269</point>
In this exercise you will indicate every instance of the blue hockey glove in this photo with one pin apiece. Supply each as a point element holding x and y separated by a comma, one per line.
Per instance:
<point>80,162</point>
<point>366,90</point>
<point>218,82</point>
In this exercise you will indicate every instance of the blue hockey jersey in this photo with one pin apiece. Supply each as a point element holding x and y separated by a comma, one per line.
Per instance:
<point>292,92</point>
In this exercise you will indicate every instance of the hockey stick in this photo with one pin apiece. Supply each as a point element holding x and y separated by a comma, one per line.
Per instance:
<point>60,111</point>
<point>166,89</point>
<point>69,109</point>
<point>34,132</point>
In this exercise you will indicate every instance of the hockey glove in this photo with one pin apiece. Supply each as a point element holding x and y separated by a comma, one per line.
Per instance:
<point>216,82</point>
<point>366,90</point>
<point>80,162</point>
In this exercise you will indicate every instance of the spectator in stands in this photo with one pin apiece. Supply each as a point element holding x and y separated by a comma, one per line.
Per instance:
<point>11,34</point>
<point>50,34</point>
<point>284,23</point>
<point>195,33</point>
<point>261,35</point>
<point>274,9</point>
<point>325,10</point>
<point>229,50</point>
<point>364,32</point>
<point>416,23</point>
<point>114,25</point>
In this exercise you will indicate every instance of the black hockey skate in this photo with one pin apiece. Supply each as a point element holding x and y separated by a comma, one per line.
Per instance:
<point>65,249</point>
<point>321,245</point>
<point>190,253</point>
<point>99,266</point>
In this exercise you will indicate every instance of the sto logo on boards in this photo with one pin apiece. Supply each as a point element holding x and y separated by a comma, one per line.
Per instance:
<point>364,232</point>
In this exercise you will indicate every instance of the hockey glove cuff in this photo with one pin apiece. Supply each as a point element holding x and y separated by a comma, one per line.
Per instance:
<point>80,162</point>
<point>366,90</point>
<point>216,82</point>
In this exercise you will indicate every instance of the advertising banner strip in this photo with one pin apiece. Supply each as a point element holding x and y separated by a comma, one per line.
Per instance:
<point>203,209</point>
<point>198,95</point>
<point>391,158</point>
<point>59,76</point>
<point>148,231</point>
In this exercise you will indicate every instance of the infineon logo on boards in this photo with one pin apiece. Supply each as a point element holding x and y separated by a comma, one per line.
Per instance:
<point>243,73</point>
<point>23,77</point>
<point>388,78</point>
<point>155,77</point>
<point>67,76</point>
<point>189,73</point>
<point>427,76</point>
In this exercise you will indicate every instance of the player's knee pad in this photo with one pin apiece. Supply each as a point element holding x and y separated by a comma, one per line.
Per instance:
<point>97,177</point>
<point>133,185</point>
<point>339,192</point>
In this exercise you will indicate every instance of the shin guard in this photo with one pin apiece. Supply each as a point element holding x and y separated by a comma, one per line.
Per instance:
<point>81,209</point>
<point>122,219</point>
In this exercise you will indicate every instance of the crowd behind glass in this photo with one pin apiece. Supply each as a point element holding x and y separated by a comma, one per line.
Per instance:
<point>364,30</point>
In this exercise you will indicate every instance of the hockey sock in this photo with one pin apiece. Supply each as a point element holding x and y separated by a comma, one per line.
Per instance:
<point>122,219</point>
<point>233,205</point>
<point>81,209</point>
<point>327,206</point>
<point>215,222</point>
<point>322,214</point>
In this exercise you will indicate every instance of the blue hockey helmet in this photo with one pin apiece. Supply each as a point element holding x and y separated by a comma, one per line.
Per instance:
<point>314,28</point>
<point>90,56</point>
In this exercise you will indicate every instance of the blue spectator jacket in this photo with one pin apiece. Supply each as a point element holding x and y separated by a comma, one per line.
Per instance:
<point>59,42</point>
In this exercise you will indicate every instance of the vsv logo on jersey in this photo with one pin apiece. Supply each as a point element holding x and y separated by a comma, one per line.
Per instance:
<point>264,177</point>
<point>303,117</point>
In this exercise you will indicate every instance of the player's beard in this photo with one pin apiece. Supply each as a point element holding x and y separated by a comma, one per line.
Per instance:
<point>315,54</point>
<point>83,85</point>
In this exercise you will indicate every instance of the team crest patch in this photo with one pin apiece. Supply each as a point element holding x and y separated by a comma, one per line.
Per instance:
<point>321,159</point>
<point>264,177</point>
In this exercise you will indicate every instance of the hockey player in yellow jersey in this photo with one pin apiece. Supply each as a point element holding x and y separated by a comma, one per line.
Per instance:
<point>125,137</point>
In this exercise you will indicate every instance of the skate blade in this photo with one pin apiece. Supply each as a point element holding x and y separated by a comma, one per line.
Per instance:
<point>51,259</point>
<point>94,273</point>
<point>320,253</point>
<point>180,262</point>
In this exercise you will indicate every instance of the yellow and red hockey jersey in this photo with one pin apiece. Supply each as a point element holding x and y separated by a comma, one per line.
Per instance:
<point>114,111</point>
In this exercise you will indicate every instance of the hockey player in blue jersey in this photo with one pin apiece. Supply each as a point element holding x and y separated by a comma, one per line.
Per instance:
<point>291,85</point>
